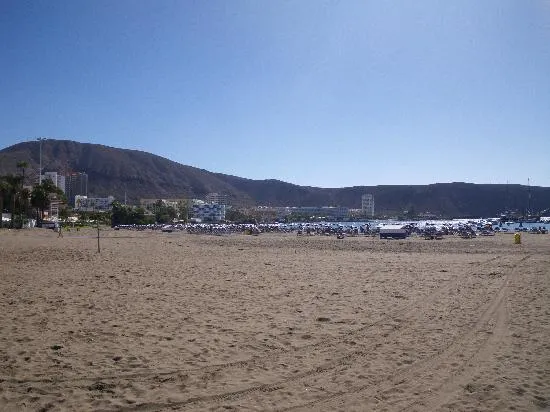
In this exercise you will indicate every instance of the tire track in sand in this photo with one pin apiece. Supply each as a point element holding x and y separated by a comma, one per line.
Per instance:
<point>341,362</point>
<point>457,359</point>
<point>410,309</point>
<point>459,377</point>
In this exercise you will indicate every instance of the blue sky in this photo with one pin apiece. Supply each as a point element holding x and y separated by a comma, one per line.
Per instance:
<point>320,93</point>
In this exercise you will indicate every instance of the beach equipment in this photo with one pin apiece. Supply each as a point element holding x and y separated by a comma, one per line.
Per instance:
<point>393,232</point>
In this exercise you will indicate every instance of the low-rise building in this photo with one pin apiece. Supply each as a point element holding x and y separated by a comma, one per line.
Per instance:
<point>317,212</point>
<point>151,204</point>
<point>208,212</point>
<point>322,212</point>
<point>93,204</point>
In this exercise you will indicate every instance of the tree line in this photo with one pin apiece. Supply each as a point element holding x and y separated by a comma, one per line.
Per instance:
<point>24,202</point>
<point>159,213</point>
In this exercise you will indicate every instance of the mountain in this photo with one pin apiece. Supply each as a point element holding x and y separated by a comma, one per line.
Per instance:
<point>137,174</point>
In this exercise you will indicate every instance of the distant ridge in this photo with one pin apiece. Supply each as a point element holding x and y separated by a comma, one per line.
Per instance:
<point>138,174</point>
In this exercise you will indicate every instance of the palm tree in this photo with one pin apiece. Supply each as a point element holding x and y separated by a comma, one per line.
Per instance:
<point>42,195</point>
<point>10,192</point>
<point>24,194</point>
<point>24,197</point>
<point>39,200</point>
<point>3,195</point>
<point>22,165</point>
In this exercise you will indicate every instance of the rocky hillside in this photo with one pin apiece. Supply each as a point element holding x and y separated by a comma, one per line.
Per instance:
<point>114,171</point>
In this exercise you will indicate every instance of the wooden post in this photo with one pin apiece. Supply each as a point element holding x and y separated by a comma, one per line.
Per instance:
<point>98,248</point>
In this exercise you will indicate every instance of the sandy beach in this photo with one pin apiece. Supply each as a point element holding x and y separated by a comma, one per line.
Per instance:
<point>276,322</point>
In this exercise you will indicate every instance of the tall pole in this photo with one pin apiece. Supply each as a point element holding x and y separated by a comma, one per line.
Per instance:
<point>98,247</point>
<point>40,139</point>
<point>40,168</point>
<point>529,197</point>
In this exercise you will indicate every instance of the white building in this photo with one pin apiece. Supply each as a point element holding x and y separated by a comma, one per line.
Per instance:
<point>208,213</point>
<point>151,204</point>
<point>218,198</point>
<point>57,179</point>
<point>367,204</point>
<point>61,183</point>
<point>92,204</point>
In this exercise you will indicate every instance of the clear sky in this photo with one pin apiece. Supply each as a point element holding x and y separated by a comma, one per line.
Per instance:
<point>312,92</point>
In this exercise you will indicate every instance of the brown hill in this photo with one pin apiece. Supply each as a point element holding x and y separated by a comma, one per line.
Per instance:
<point>113,171</point>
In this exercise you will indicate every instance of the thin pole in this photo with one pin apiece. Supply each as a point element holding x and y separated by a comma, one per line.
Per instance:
<point>40,171</point>
<point>98,248</point>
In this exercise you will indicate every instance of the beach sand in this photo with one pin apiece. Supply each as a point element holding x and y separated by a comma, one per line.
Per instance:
<point>172,321</point>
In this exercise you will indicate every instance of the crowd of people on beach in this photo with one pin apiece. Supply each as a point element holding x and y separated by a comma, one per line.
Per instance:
<point>425,229</point>
<point>200,228</point>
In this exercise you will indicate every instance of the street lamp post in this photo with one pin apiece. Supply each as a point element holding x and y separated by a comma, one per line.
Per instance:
<point>40,139</point>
